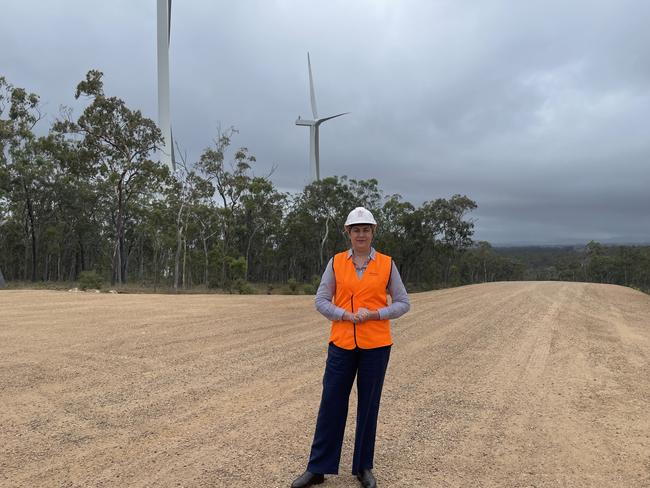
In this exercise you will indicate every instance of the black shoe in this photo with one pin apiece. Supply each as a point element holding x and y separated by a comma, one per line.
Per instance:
<point>307,479</point>
<point>367,479</point>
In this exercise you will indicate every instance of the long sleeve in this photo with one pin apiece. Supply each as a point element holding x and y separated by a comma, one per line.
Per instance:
<point>325,293</point>
<point>401,303</point>
<point>327,288</point>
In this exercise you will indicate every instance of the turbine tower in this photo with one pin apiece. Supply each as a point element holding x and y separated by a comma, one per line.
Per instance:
<point>164,117</point>
<point>314,158</point>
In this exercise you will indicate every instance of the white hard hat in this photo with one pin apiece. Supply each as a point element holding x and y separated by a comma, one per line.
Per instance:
<point>360,215</point>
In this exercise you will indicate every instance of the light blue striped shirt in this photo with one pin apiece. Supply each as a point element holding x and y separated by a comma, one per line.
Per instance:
<point>327,289</point>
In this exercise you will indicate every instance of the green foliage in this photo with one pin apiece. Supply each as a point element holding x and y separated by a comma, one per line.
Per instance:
<point>90,280</point>
<point>309,289</point>
<point>243,287</point>
<point>312,287</point>
<point>236,272</point>
<point>315,281</point>
<point>236,267</point>
<point>481,263</point>
<point>118,141</point>
<point>293,286</point>
<point>594,262</point>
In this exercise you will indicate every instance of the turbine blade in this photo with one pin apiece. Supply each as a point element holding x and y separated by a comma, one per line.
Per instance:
<point>164,117</point>
<point>169,20</point>
<point>320,121</point>
<point>311,90</point>
<point>316,154</point>
<point>173,155</point>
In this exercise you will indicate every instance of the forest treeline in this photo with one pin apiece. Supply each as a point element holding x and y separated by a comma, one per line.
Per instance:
<point>87,199</point>
<point>627,265</point>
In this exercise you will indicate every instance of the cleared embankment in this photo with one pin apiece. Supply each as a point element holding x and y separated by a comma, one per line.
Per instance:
<point>503,384</point>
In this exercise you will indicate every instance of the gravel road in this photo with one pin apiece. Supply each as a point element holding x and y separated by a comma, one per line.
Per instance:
<point>519,384</point>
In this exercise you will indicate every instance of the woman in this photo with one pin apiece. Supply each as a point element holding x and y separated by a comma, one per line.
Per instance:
<point>352,294</point>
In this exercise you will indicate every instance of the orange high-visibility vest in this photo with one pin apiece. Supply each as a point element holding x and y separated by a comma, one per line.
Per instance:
<point>353,293</point>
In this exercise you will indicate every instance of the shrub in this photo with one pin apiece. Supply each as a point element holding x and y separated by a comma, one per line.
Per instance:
<point>213,281</point>
<point>90,280</point>
<point>315,281</point>
<point>293,286</point>
<point>309,289</point>
<point>244,287</point>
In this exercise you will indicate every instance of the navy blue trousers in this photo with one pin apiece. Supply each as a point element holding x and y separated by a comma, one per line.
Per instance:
<point>369,366</point>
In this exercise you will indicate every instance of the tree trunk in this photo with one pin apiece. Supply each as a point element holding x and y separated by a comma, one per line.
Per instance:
<point>184,262</point>
<point>3,283</point>
<point>116,265</point>
<point>118,253</point>
<point>30,214</point>
<point>223,255</point>
<point>207,264</point>
<point>73,265</point>
<point>125,256</point>
<point>127,259</point>
<point>322,243</point>
<point>76,265</point>
<point>177,258</point>
<point>248,252</point>
<point>179,241</point>
<point>82,253</point>
<point>155,267</point>
<point>141,258</point>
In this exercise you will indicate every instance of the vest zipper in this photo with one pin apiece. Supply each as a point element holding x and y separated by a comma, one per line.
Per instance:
<point>354,323</point>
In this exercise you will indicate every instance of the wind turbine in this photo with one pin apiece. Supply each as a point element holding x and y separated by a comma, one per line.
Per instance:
<point>164,117</point>
<point>314,158</point>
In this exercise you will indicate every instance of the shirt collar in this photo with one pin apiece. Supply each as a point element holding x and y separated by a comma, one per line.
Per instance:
<point>372,253</point>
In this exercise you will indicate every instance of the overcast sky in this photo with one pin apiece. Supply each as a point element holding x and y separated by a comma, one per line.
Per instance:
<point>537,110</point>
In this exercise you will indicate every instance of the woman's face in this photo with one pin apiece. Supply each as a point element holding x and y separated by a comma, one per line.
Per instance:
<point>361,237</point>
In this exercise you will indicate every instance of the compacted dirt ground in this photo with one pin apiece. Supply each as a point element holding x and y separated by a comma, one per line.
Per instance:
<point>532,384</point>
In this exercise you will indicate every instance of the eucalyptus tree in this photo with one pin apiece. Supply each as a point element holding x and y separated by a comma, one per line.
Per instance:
<point>452,233</point>
<point>209,226</point>
<point>120,141</point>
<point>231,180</point>
<point>23,167</point>
<point>262,211</point>
<point>314,226</point>
<point>484,252</point>
<point>186,191</point>
<point>2,222</point>
<point>76,226</point>
<point>398,233</point>
<point>159,239</point>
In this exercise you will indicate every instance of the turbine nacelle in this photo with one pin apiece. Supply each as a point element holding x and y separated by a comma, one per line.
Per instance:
<point>300,121</point>
<point>307,122</point>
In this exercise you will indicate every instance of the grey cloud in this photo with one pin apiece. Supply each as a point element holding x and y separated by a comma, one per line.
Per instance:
<point>534,109</point>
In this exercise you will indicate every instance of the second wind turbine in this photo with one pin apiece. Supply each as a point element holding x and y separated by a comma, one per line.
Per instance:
<point>314,158</point>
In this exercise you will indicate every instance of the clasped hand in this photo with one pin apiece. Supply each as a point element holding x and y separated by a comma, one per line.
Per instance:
<point>361,315</point>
